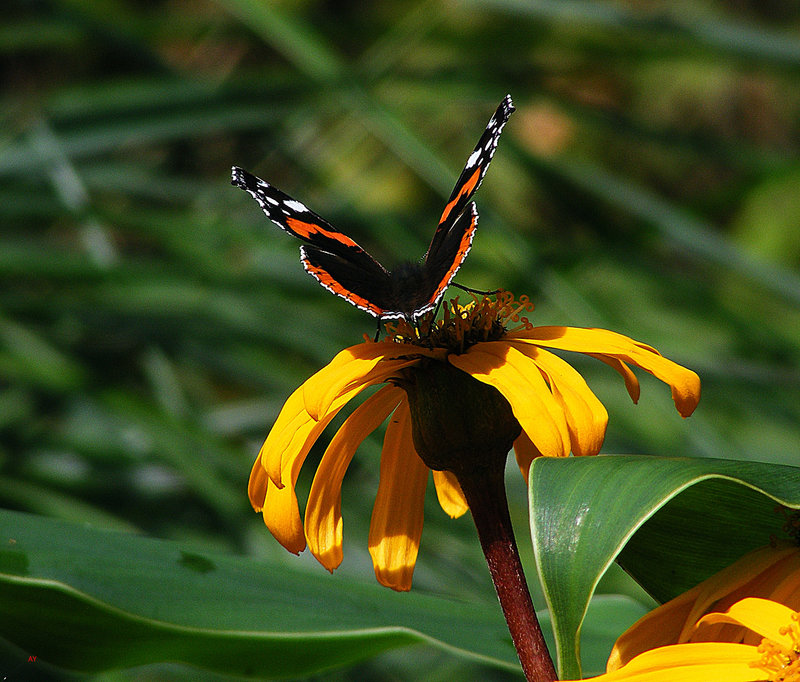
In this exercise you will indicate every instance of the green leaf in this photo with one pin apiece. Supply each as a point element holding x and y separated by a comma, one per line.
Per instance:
<point>670,522</point>
<point>108,600</point>
<point>606,617</point>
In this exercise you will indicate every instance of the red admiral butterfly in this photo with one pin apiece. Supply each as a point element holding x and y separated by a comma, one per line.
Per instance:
<point>344,268</point>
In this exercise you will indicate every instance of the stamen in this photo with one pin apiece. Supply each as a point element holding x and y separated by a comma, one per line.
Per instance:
<point>775,661</point>
<point>484,318</point>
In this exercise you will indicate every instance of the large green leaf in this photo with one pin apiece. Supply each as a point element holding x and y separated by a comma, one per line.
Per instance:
<point>670,522</point>
<point>108,600</point>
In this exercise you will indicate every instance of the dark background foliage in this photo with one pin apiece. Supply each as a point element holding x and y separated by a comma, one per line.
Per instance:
<point>152,321</point>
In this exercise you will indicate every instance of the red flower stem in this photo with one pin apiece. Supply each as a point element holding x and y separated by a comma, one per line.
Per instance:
<point>486,495</point>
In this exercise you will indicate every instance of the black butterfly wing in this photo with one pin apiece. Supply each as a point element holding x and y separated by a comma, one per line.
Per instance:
<point>336,261</point>
<point>473,173</point>
<point>453,237</point>
<point>442,264</point>
<point>370,291</point>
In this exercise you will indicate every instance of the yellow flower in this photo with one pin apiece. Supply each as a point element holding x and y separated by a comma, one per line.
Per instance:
<point>775,658</point>
<point>771,572</point>
<point>554,413</point>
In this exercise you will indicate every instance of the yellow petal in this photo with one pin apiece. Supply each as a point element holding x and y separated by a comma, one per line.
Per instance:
<point>323,518</point>
<point>674,622</point>
<point>753,575</point>
<point>586,416</point>
<point>292,420</point>
<point>525,452</point>
<point>257,485</point>
<point>660,627</point>
<point>684,383</point>
<point>706,662</point>
<point>768,618</point>
<point>296,439</point>
<point>631,382</point>
<point>295,430</point>
<point>449,493</point>
<point>281,513</point>
<point>324,394</point>
<point>520,382</point>
<point>347,366</point>
<point>396,525</point>
<point>355,365</point>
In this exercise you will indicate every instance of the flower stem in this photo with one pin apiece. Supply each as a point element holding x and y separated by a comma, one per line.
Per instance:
<point>486,495</point>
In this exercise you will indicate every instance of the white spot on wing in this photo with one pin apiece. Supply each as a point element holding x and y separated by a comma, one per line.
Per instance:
<point>472,160</point>
<point>295,205</point>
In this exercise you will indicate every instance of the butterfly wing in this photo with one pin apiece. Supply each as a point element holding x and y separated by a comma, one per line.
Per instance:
<point>453,237</point>
<point>335,260</point>
<point>442,264</point>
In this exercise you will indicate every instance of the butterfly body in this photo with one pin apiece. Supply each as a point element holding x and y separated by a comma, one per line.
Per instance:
<point>343,267</point>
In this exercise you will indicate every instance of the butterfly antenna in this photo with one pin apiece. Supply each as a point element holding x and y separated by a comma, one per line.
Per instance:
<point>475,291</point>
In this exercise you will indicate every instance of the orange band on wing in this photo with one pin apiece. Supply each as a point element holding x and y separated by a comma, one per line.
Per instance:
<point>325,279</point>
<point>466,188</point>
<point>463,250</point>
<point>308,230</point>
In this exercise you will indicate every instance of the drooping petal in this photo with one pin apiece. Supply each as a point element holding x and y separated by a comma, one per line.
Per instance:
<point>281,513</point>
<point>525,452</point>
<point>684,383</point>
<point>586,416</point>
<point>257,485</point>
<point>705,662</point>
<point>521,383</point>
<point>764,616</point>
<point>352,366</point>
<point>449,493</point>
<point>631,382</point>
<point>396,525</point>
<point>350,363</point>
<point>294,433</point>
<point>295,430</point>
<point>323,518</point>
<point>292,420</point>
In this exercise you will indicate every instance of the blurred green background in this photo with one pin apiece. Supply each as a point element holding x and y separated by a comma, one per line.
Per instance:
<point>152,321</point>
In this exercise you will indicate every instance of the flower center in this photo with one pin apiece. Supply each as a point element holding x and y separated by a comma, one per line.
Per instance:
<point>461,326</point>
<point>459,424</point>
<point>781,665</point>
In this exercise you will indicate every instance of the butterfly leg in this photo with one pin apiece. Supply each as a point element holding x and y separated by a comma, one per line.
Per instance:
<point>436,309</point>
<point>378,331</point>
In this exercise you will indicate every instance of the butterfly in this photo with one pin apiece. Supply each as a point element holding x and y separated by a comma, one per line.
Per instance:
<point>340,265</point>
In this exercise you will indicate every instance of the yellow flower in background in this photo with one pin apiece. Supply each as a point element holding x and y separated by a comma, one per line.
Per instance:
<point>554,413</point>
<point>771,572</point>
<point>774,656</point>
